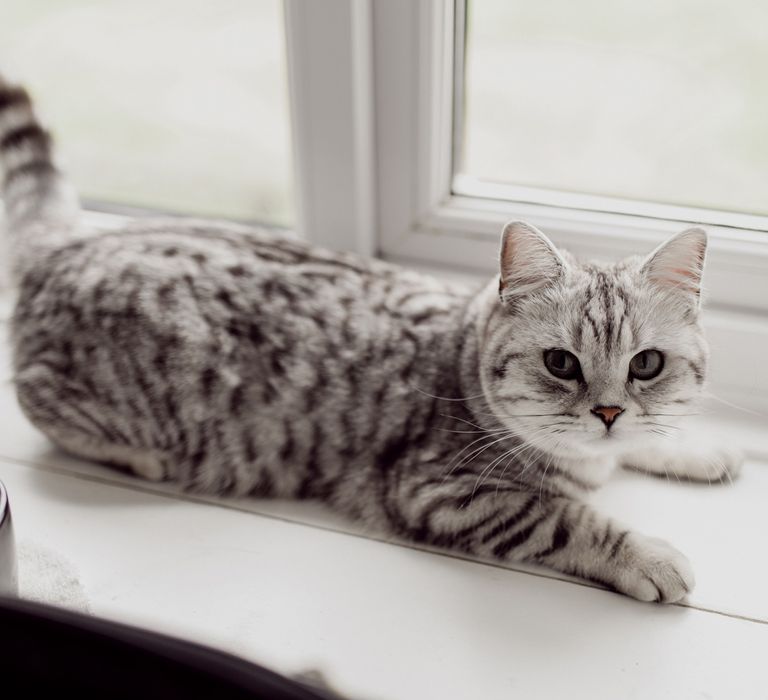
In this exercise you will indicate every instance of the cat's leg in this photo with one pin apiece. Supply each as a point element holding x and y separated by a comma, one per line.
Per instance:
<point>561,533</point>
<point>79,425</point>
<point>148,464</point>
<point>686,462</point>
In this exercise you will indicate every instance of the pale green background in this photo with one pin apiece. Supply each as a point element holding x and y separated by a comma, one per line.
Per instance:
<point>662,100</point>
<point>178,105</point>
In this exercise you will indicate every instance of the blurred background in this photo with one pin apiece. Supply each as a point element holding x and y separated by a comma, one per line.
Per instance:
<point>176,105</point>
<point>182,106</point>
<point>658,100</point>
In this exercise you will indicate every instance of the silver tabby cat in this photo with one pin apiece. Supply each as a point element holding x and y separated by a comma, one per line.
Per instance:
<point>235,361</point>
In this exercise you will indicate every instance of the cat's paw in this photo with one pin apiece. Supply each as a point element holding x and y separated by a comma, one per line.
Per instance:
<point>711,465</point>
<point>720,464</point>
<point>652,570</point>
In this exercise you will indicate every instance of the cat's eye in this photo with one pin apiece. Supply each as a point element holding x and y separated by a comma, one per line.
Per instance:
<point>562,364</point>
<point>646,365</point>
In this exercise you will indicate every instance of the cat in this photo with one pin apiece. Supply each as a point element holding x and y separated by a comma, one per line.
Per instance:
<point>235,360</point>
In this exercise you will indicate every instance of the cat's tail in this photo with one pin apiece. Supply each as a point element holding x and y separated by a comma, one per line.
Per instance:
<point>41,207</point>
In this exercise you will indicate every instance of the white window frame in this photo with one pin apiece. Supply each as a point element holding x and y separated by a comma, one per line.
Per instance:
<point>372,87</point>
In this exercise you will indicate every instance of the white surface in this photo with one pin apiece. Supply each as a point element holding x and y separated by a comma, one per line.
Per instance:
<point>295,587</point>
<point>383,621</point>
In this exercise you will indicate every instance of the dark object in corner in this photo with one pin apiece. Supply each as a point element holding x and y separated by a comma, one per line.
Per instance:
<point>53,652</point>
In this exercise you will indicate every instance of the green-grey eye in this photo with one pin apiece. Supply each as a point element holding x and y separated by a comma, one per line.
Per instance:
<point>563,364</point>
<point>646,365</point>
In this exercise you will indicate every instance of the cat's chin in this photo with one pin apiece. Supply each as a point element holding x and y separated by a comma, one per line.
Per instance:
<point>585,449</point>
<point>614,443</point>
<point>601,445</point>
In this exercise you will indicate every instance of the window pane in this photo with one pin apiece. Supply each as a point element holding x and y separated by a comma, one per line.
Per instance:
<point>179,105</point>
<point>655,100</point>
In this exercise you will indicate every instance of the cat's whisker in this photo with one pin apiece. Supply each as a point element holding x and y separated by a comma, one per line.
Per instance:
<point>450,466</point>
<point>480,429</point>
<point>662,425</point>
<point>487,437</point>
<point>511,453</point>
<point>511,456</point>
<point>536,439</point>
<point>557,423</point>
<point>644,415</point>
<point>447,398</point>
<point>464,420</point>
<point>525,415</point>
<point>528,464</point>
<point>476,452</point>
<point>663,433</point>
<point>467,432</point>
<point>710,395</point>
<point>720,467</point>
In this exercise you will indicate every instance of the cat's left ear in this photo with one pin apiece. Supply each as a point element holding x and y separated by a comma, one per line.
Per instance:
<point>679,262</point>
<point>529,261</point>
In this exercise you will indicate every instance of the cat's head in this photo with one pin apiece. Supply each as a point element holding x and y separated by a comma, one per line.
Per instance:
<point>588,358</point>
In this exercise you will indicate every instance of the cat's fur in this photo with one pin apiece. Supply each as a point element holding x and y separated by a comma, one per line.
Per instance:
<point>236,361</point>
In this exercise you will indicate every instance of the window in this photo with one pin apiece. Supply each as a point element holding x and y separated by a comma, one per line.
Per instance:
<point>167,105</point>
<point>655,101</point>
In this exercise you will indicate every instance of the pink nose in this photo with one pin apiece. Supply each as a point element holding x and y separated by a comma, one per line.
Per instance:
<point>607,414</point>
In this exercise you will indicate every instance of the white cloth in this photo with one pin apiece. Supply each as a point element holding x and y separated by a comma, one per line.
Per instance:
<point>47,577</point>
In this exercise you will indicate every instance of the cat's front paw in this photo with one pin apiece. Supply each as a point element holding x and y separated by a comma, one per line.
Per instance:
<point>712,465</point>
<point>716,465</point>
<point>652,570</point>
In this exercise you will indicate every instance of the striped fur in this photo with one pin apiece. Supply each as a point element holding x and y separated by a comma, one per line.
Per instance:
<point>238,361</point>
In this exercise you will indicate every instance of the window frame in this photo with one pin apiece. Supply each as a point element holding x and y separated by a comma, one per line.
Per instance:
<point>422,216</point>
<point>329,52</point>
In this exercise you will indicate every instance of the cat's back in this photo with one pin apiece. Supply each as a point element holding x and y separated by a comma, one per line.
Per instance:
<point>230,291</point>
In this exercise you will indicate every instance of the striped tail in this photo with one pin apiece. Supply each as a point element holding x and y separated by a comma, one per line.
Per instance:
<point>41,208</point>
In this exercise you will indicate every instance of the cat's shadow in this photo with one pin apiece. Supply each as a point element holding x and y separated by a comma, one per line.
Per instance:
<point>88,484</point>
<point>62,477</point>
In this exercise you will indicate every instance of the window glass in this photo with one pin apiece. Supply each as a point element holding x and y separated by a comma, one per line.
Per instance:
<point>656,100</point>
<point>176,105</point>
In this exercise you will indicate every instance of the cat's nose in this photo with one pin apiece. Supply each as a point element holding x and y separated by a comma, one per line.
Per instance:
<point>607,414</point>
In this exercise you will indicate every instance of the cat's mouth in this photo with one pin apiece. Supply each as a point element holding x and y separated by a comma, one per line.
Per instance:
<point>607,436</point>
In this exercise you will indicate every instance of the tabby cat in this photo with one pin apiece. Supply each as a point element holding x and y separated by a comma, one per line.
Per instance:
<point>237,361</point>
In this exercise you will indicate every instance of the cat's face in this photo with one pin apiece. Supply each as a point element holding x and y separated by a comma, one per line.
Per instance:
<point>587,359</point>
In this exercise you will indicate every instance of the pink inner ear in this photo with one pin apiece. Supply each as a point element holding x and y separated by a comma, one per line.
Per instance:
<point>676,276</point>
<point>528,260</point>
<point>678,264</point>
<point>685,272</point>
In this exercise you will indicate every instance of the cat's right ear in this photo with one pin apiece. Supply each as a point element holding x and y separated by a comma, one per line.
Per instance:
<point>529,261</point>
